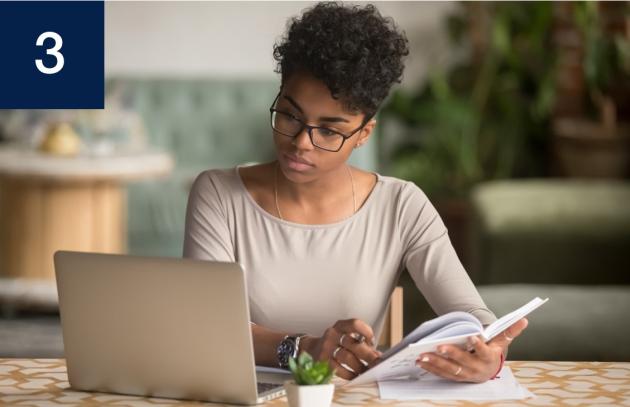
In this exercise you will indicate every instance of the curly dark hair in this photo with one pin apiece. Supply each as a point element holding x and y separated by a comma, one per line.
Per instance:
<point>354,50</point>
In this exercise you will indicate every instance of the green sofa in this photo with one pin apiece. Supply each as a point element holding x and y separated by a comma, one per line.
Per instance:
<point>204,123</point>
<point>563,239</point>
<point>568,240</point>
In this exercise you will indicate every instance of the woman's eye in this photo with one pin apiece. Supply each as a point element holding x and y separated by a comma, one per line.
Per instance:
<point>289,116</point>
<point>326,132</point>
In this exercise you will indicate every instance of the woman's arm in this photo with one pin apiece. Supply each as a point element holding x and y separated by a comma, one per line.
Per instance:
<point>207,235</point>
<point>266,343</point>
<point>430,259</point>
<point>433,264</point>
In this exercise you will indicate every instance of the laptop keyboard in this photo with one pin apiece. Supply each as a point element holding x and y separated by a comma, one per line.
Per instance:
<point>263,387</point>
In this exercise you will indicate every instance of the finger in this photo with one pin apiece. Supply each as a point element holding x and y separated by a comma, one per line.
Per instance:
<point>347,359</point>
<point>350,326</point>
<point>457,354</point>
<point>357,337</point>
<point>341,371</point>
<point>506,337</point>
<point>361,350</point>
<point>442,367</point>
<point>358,331</point>
<point>482,350</point>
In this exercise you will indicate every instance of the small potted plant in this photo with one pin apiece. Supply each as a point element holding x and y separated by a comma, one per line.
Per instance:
<point>311,385</point>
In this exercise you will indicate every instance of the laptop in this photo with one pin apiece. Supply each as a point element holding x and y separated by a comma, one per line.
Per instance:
<point>159,327</point>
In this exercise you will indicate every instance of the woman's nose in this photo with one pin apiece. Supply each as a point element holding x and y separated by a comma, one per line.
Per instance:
<point>303,141</point>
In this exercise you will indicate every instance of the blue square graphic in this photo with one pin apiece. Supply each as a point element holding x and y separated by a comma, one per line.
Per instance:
<point>79,27</point>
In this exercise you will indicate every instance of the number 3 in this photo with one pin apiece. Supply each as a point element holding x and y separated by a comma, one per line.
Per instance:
<point>54,51</point>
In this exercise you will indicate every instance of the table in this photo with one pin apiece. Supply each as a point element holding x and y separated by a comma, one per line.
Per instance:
<point>36,382</point>
<point>48,203</point>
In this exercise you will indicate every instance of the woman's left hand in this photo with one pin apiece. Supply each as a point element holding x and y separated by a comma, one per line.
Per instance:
<point>455,363</point>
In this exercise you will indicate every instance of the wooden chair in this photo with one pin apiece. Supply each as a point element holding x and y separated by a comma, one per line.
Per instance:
<point>393,327</point>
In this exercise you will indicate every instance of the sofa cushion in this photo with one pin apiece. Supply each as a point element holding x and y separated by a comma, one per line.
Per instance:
<point>578,322</point>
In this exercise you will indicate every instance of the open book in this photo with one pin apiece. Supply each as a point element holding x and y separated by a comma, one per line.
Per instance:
<point>453,328</point>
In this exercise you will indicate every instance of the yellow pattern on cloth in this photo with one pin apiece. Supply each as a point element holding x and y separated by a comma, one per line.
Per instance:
<point>30,382</point>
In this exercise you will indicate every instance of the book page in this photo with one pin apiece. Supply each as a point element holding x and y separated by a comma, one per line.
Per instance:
<point>453,329</point>
<point>508,320</point>
<point>403,363</point>
<point>430,327</point>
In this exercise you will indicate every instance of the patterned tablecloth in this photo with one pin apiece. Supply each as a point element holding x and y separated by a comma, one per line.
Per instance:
<point>43,382</point>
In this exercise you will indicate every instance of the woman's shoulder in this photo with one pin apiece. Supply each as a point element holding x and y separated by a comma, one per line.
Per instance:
<point>227,182</point>
<point>400,189</point>
<point>215,175</point>
<point>216,181</point>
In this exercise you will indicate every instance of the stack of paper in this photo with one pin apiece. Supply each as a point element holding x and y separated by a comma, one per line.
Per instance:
<point>431,387</point>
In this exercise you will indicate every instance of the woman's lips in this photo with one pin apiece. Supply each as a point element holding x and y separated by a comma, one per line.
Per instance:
<point>296,164</point>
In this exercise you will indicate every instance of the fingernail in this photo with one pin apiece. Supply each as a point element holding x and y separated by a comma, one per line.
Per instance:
<point>425,359</point>
<point>442,351</point>
<point>473,340</point>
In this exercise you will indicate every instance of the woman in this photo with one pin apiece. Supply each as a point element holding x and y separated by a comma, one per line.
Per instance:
<point>323,244</point>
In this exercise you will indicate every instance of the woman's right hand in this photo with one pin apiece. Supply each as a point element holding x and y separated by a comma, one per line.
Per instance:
<point>348,345</point>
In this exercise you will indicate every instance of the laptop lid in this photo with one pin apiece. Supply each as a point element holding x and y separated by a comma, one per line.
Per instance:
<point>160,327</point>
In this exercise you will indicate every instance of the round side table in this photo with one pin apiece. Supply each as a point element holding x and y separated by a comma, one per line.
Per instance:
<point>50,203</point>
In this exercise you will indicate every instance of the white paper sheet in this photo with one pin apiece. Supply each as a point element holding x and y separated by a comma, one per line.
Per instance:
<point>431,387</point>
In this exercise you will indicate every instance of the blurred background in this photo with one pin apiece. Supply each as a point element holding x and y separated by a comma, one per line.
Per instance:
<point>514,118</point>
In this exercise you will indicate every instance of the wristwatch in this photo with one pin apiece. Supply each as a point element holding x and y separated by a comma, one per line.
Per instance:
<point>288,348</point>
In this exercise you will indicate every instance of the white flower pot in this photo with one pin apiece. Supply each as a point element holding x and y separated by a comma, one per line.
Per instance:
<point>317,395</point>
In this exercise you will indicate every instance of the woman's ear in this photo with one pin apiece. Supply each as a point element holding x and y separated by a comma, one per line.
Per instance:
<point>365,133</point>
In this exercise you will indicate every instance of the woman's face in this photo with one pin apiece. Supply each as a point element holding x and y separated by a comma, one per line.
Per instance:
<point>309,100</point>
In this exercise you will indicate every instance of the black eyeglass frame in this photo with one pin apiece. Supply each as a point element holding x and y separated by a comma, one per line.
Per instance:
<point>309,128</point>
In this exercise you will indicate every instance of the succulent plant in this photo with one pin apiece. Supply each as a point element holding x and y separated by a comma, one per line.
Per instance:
<point>306,371</point>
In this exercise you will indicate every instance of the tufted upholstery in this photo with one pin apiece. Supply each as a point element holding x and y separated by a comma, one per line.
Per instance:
<point>205,123</point>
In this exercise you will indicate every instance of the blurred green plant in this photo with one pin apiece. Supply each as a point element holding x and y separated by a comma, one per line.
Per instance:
<point>307,372</point>
<point>606,61</point>
<point>488,115</point>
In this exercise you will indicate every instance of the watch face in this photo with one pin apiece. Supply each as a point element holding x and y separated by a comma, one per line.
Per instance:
<point>285,351</point>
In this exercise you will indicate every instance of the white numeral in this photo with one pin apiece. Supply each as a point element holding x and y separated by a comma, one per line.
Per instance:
<point>54,51</point>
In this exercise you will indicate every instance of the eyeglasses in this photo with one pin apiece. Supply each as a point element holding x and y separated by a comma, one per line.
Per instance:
<point>322,137</point>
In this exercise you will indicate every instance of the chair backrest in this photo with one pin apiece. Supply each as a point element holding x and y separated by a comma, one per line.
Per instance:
<point>393,327</point>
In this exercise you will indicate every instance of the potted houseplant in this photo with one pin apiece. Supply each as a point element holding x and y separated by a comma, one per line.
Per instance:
<point>597,144</point>
<point>311,385</point>
<point>485,116</point>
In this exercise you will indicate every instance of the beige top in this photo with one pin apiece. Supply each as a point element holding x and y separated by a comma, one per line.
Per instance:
<point>303,278</point>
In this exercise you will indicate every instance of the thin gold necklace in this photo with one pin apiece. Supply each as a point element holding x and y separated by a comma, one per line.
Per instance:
<point>275,191</point>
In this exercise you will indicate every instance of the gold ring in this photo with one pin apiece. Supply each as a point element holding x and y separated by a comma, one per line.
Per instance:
<point>334,354</point>
<point>509,338</point>
<point>459,370</point>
